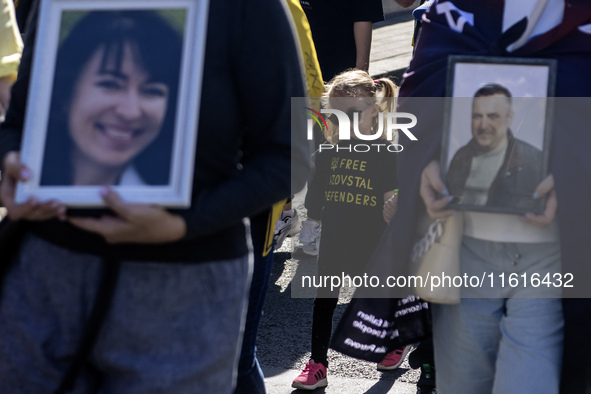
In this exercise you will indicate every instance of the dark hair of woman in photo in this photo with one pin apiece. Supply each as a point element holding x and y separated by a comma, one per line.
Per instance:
<point>114,101</point>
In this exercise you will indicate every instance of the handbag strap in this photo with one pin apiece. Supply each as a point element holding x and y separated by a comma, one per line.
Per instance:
<point>432,235</point>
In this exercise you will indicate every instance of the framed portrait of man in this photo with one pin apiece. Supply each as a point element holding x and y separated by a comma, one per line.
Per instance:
<point>497,130</point>
<point>114,101</point>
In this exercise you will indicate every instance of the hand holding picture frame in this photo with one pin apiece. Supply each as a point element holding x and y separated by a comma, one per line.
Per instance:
<point>114,100</point>
<point>497,130</point>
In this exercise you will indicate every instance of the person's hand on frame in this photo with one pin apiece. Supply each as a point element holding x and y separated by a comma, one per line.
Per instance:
<point>32,209</point>
<point>135,223</point>
<point>431,184</point>
<point>546,187</point>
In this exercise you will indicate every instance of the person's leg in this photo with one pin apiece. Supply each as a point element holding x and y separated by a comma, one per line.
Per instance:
<point>314,374</point>
<point>174,328</point>
<point>422,357</point>
<point>532,327</point>
<point>466,339</point>
<point>325,304</point>
<point>514,325</point>
<point>576,365</point>
<point>322,328</point>
<point>423,354</point>
<point>47,296</point>
<point>466,336</point>
<point>530,352</point>
<point>250,375</point>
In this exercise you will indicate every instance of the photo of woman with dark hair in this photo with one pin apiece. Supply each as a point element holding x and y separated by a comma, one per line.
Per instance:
<point>114,101</point>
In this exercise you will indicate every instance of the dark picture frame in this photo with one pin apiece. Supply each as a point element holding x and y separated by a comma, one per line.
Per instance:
<point>497,132</point>
<point>113,101</point>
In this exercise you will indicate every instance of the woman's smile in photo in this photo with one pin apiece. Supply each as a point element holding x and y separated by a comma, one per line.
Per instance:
<point>116,111</point>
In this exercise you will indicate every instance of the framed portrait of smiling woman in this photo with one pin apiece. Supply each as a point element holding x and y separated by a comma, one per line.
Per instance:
<point>496,138</point>
<point>114,101</point>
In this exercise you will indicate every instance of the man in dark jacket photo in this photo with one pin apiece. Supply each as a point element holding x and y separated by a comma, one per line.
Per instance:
<point>494,168</point>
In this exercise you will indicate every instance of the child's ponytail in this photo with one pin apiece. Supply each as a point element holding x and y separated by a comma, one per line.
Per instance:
<point>387,90</point>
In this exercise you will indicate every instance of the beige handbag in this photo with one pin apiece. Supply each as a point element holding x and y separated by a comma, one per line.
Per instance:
<point>437,256</point>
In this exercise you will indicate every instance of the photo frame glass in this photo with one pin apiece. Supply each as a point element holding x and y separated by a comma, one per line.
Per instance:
<point>497,130</point>
<point>113,101</point>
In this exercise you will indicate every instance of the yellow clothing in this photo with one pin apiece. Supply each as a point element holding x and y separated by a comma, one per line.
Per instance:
<point>11,44</point>
<point>315,89</point>
<point>309,59</point>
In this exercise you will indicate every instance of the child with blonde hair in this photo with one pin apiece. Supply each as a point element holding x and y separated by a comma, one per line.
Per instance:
<point>352,180</point>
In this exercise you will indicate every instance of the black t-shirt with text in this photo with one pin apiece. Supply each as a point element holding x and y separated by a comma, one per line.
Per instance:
<point>347,193</point>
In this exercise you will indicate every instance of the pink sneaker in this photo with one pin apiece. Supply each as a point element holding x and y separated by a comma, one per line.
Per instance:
<point>312,377</point>
<point>394,359</point>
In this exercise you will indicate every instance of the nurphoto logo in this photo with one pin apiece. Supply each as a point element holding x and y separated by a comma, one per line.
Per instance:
<point>343,121</point>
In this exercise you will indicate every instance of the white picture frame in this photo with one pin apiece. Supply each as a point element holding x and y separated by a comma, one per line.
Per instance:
<point>54,153</point>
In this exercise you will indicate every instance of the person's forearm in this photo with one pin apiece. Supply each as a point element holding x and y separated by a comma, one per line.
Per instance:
<point>362,32</point>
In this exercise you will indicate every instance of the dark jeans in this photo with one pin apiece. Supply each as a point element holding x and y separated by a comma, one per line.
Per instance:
<point>250,375</point>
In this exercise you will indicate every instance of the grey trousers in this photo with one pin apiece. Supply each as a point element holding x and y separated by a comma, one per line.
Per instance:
<point>171,328</point>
